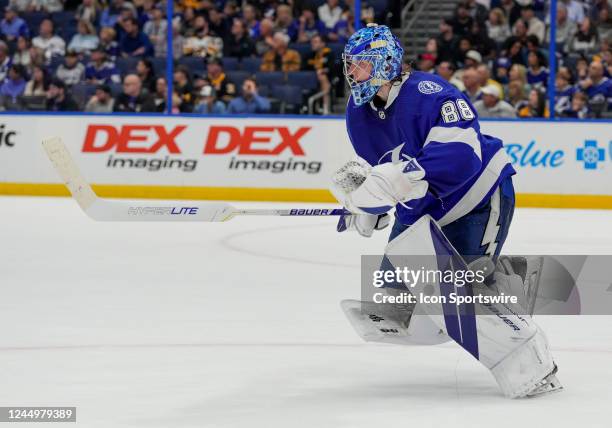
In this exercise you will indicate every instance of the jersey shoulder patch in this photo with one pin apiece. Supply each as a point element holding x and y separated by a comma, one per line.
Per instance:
<point>428,87</point>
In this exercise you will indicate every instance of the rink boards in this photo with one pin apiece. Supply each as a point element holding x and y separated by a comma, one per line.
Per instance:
<point>559,164</point>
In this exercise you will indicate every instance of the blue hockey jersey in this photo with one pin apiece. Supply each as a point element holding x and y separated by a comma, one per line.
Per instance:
<point>427,118</point>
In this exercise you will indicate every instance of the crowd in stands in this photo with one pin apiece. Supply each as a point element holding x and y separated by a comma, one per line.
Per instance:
<point>258,56</point>
<point>497,53</point>
<point>228,56</point>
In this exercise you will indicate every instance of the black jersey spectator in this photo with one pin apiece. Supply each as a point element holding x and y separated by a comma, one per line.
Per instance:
<point>58,98</point>
<point>226,90</point>
<point>239,44</point>
<point>184,88</point>
<point>133,99</point>
<point>101,101</point>
<point>144,69</point>
<point>462,21</point>
<point>134,42</point>
<point>447,41</point>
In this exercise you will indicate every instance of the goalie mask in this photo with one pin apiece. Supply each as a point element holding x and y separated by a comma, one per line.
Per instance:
<point>371,57</point>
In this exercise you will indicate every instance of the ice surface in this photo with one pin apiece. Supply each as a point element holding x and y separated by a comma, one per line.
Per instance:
<point>237,324</point>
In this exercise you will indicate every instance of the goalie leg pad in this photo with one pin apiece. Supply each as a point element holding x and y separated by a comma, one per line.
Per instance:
<point>494,333</point>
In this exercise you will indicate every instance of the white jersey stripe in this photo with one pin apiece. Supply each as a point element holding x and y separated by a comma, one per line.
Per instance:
<point>455,134</point>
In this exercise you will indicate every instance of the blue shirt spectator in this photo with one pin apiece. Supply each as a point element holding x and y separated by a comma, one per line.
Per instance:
<point>99,70</point>
<point>209,104</point>
<point>597,87</point>
<point>15,84</point>
<point>5,61</point>
<point>12,26</point>
<point>134,42</point>
<point>306,26</point>
<point>250,101</point>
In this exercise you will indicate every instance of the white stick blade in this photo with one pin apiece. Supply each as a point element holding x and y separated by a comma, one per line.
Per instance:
<point>69,172</point>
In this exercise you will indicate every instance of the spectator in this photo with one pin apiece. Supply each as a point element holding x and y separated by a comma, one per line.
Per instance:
<point>597,87</point>
<point>208,103</point>
<point>464,46</point>
<point>281,58</point>
<point>88,10</point>
<point>249,101</point>
<point>102,101</point>
<point>110,14</point>
<point>202,42</point>
<point>536,105</point>
<point>492,105</point>
<point>502,66</point>
<point>585,40</point>
<point>284,19</point>
<point>514,52</point>
<point>134,42</point>
<point>472,59</point>
<point>239,44</point>
<point>265,41</point>
<point>575,11</point>
<point>564,91</point>
<point>343,29</point>
<point>38,84</point>
<point>578,108</point>
<point>447,41</point>
<point>12,26</point>
<point>427,62</point>
<point>484,79</point>
<point>218,25</point>
<point>330,13</point>
<point>306,26</point>
<point>321,61</point>
<point>225,89</point>
<point>565,28</point>
<point>537,73</point>
<point>604,24</point>
<point>518,72</point>
<point>22,5</point>
<point>184,89</point>
<point>582,68</point>
<point>178,41</point>
<point>133,99</point>
<point>108,43</point>
<point>15,84</point>
<point>58,99</point>
<point>47,43</point>
<point>160,95</point>
<point>535,25</point>
<point>144,70</point>
<point>476,10</point>
<point>519,31</point>
<point>512,11</point>
<point>462,21</point>
<point>516,95</point>
<point>100,70</point>
<point>5,61</point>
<point>481,41</point>
<point>24,54</point>
<point>446,70</point>
<point>71,71</point>
<point>156,30</point>
<point>472,86</point>
<point>85,40</point>
<point>497,26</point>
<point>251,21</point>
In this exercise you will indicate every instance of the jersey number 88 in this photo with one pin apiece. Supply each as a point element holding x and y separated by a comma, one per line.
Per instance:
<point>452,111</point>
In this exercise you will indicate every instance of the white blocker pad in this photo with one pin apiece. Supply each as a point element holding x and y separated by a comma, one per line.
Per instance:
<point>509,344</point>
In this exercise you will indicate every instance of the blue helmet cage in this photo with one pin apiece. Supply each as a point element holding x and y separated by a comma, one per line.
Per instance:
<point>374,45</point>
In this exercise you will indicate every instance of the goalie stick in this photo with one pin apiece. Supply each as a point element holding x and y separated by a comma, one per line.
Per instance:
<point>131,210</point>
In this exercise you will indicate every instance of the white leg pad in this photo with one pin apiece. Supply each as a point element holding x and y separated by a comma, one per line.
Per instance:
<point>521,371</point>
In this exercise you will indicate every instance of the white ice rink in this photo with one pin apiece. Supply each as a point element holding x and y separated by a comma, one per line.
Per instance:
<point>238,325</point>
